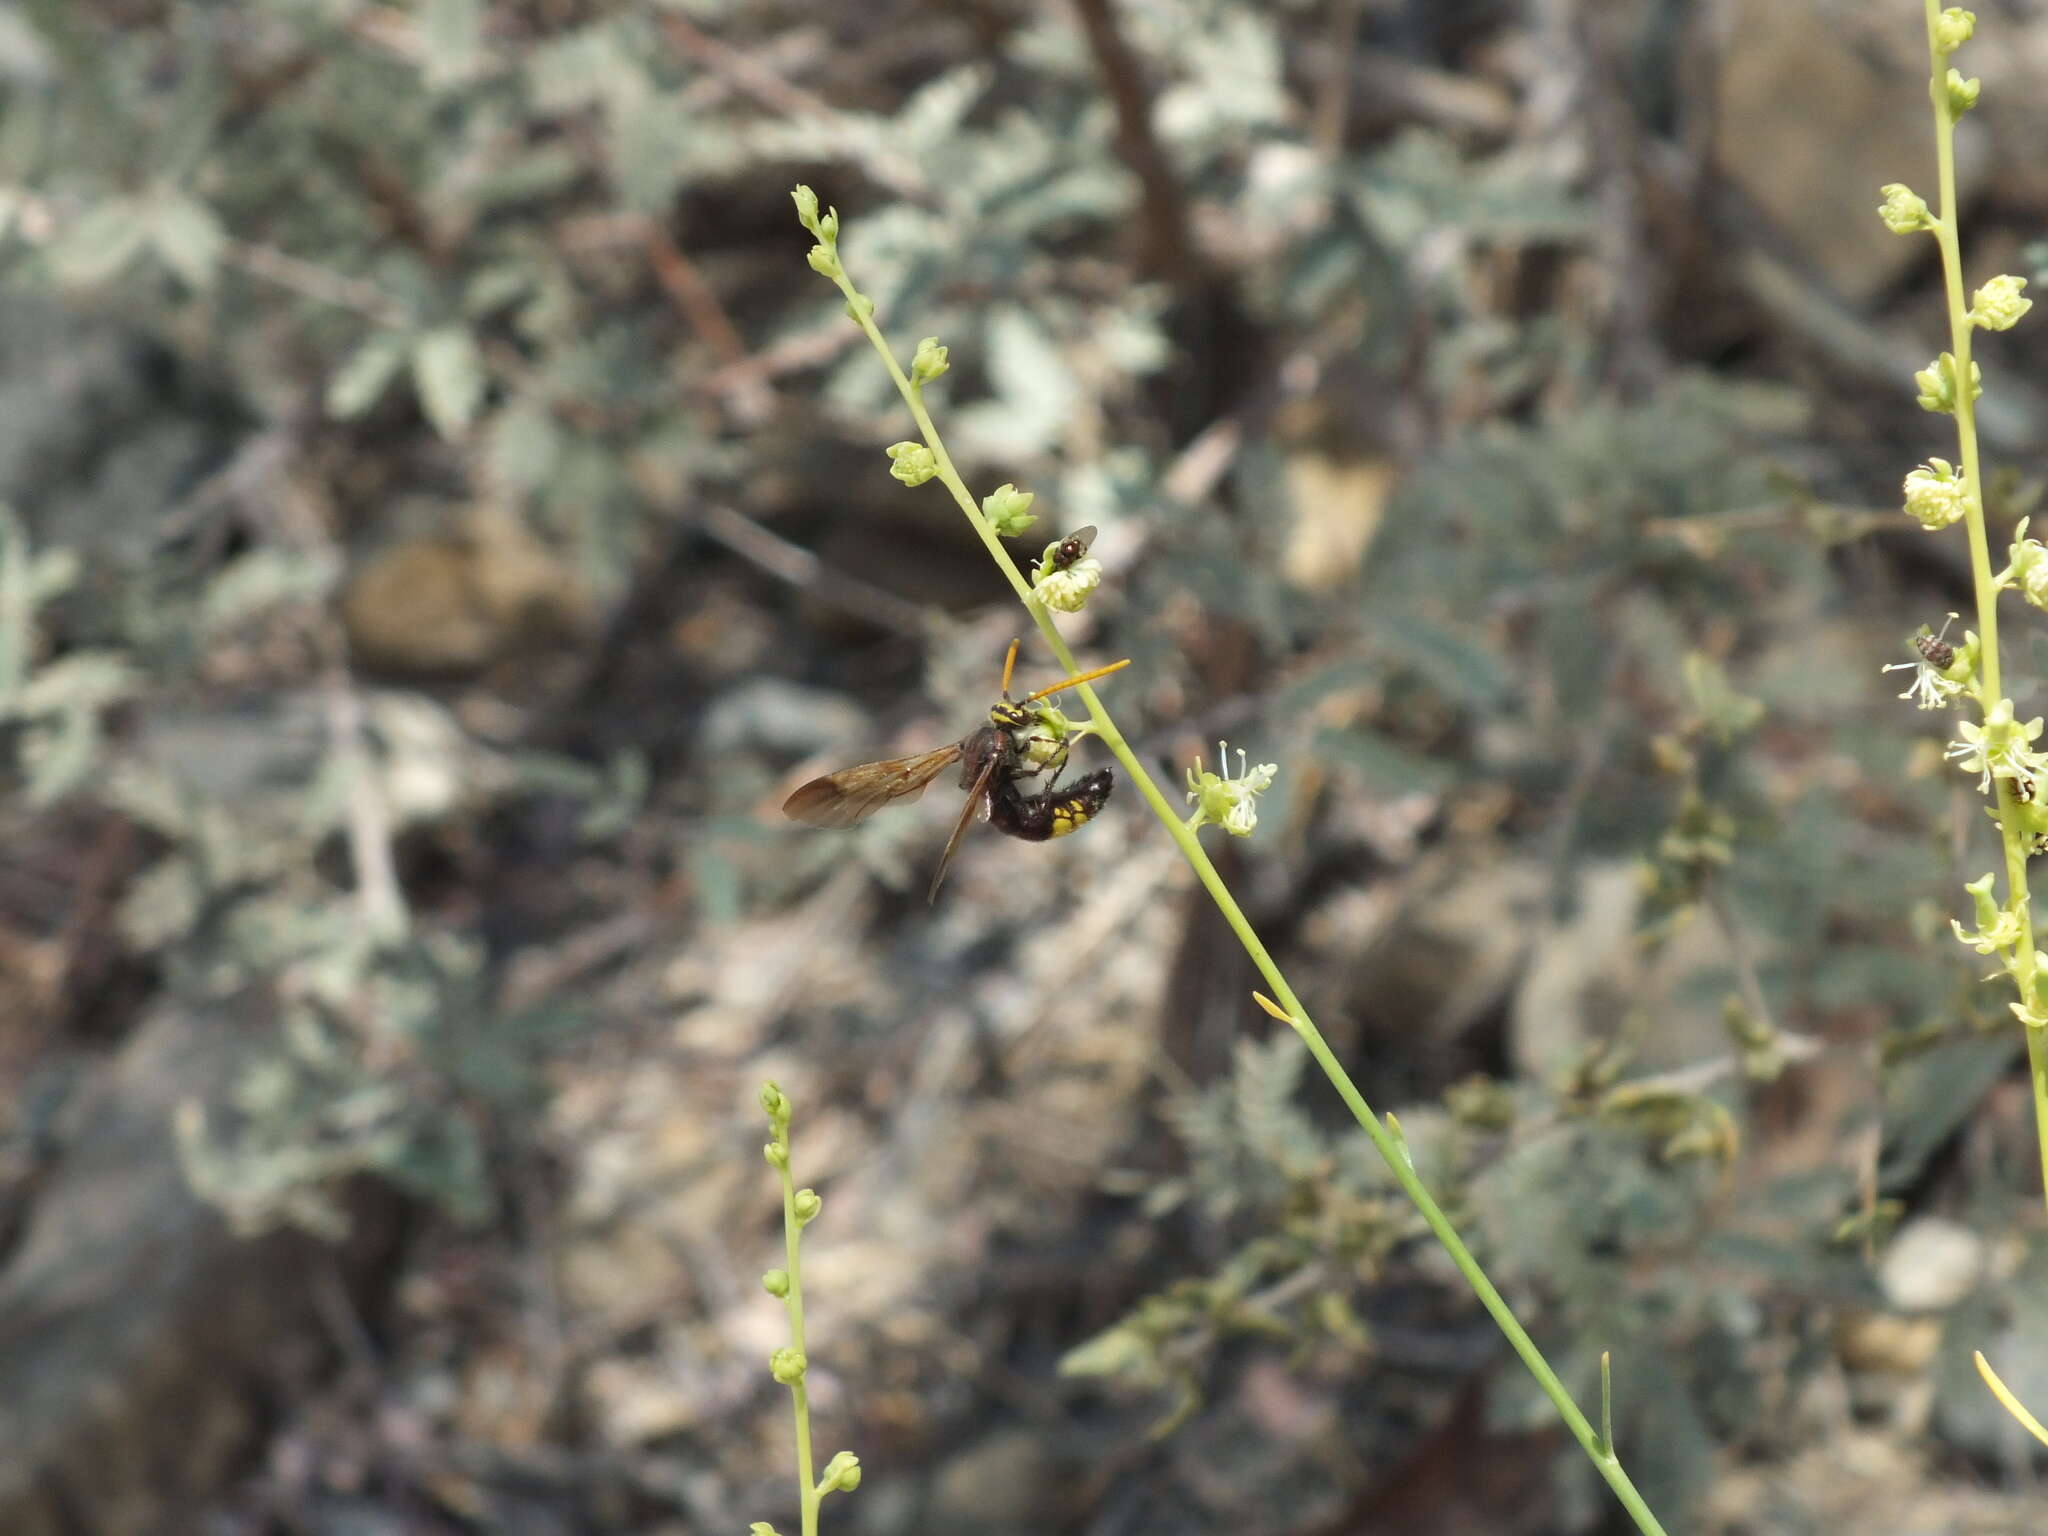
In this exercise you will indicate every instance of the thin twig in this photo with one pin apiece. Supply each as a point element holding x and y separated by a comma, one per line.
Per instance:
<point>792,354</point>
<point>1167,249</point>
<point>693,296</point>
<point>312,281</point>
<point>1197,468</point>
<point>257,483</point>
<point>1333,96</point>
<point>369,813</point>
<point>337,1310</point>
<point>773,91</point>
<point>802,569</point>
<point>752,398</point>
<point>1742,956</point>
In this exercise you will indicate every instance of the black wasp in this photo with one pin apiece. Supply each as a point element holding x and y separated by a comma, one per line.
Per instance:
<point>1017,744</point>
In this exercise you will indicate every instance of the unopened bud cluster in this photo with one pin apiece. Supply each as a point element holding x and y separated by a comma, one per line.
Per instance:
<point>824,256</point>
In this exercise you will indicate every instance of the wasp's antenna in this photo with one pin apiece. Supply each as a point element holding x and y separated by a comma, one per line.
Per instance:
<point>1078,677</point>
<point>1010,661</point>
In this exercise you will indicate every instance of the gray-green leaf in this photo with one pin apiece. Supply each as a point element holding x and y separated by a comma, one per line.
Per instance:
<point>453,31</point>
<point>450,374</point>
<point>187,235</point>
<point>103,240</point>
<point>364,377</point>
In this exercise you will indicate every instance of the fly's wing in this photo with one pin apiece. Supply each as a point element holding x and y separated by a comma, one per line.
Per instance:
<point>977,802</point>
<point>1074,546</point>
<point>854,794</point>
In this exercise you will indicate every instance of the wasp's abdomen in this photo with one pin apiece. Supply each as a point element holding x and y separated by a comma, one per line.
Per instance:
<point>1053,812</point>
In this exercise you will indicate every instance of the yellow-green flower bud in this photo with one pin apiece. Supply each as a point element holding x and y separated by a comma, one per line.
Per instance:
<point>1998,305</point>
<point>806,207</point>
<point>1962,94</point>
<point>762,1528</point>
<point>787,1366</point>
<point>1936,496</point>
<point>929,362</point>
<point>825,261</point>
<point>774,1102</point>
<point>776,1154</point>
<point>1995,930</point>
<point>2028,570</point>
<point>1952,29</point>
<point>1937,383</point>
<point>859,307</point>
<point>841,1472</point>
<point>1008,510</point>
<point>808,1206</point>
<point>776,1282</point>
<point>1903,210</point>
<point>912,463</point>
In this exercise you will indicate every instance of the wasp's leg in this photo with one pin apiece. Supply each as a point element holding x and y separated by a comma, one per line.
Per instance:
<point>1041,753</point>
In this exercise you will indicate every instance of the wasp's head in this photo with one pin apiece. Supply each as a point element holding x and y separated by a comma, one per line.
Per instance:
<point>1005,716</point>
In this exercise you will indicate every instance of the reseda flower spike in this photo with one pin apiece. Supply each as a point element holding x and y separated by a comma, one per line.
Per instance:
<point>788,1364</point>
<point>1999,749</point>
<point>1230,801</point>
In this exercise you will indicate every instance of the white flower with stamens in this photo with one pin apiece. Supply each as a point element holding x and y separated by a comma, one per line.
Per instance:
<point>1929,690</point>
<point>2000,748</point>
<point>1228,802</point>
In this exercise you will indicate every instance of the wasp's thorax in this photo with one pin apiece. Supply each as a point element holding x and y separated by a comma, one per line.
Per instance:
<point>991,743</point>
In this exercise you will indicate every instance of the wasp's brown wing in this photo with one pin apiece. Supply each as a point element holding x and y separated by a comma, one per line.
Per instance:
<point>977,802</point>
<point>854,794</point>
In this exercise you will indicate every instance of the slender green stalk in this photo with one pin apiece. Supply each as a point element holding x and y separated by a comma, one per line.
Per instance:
<point>1390,1145</point>
<point>799,1394</point>
<point>2017,839</point>
<point>789,1364</point>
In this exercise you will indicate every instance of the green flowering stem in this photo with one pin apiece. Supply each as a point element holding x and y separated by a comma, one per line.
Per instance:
<point>788,1365</point>
<point>2012,833</point>
<point>1386,1142</point>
